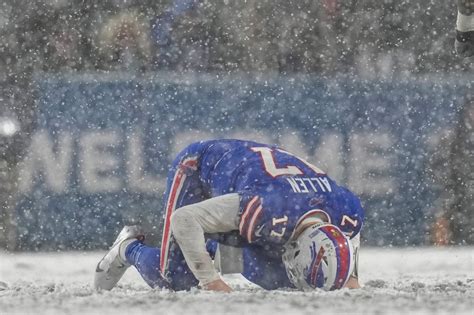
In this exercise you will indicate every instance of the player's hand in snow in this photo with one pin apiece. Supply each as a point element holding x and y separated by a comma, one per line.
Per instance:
<point>218,285</point>
<point>352,283</point>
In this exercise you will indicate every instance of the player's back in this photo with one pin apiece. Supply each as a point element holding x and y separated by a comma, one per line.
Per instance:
<point>287,187</point>
<point>237,165</point>
<point>229,165</point>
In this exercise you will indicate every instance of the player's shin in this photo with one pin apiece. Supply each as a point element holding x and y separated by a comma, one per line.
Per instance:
<point>147,262</point>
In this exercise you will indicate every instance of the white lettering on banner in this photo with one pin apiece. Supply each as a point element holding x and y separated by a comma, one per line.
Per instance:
<point>328,155</point>
<point>99,162</point>
<point>182,139</point>
<point>137,179</point>
<point>43,159</point>
<point>98,165</point>
<point>371,163</point>
<point>291,142</point>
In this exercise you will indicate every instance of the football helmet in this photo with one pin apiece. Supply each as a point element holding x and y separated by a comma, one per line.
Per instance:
<point>320,257</point>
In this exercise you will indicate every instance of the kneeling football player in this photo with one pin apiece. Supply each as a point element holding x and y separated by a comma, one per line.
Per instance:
<point>293,225</point>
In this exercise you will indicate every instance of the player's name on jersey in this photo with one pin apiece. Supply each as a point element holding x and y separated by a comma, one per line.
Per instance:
<point>309,184</point>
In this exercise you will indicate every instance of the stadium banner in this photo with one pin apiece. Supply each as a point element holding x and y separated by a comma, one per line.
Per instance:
<point>102,145</point>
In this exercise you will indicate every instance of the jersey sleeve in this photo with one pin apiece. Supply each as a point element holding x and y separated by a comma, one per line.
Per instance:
<point>251,213</point>
<point>261,222</point>
<point>346,212</point>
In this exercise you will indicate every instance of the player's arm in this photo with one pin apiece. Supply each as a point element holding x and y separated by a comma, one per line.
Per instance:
<point>189,223</point>
<point>353,282</point>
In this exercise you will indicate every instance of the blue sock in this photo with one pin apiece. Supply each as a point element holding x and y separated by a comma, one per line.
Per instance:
<point>147,261</point>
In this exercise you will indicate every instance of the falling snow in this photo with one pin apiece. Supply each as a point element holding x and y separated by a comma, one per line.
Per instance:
<point>97,97</point>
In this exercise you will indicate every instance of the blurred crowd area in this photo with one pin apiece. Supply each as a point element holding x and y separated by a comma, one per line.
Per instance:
<point>317,36</point>
<point>368,38</point>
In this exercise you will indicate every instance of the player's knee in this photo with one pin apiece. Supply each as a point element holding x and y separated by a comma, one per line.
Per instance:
<point>179,220</point>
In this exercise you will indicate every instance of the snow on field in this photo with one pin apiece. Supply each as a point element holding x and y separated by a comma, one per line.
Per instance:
<point>396,281</point>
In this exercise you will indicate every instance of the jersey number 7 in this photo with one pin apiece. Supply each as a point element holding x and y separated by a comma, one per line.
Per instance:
<point>269,163</point>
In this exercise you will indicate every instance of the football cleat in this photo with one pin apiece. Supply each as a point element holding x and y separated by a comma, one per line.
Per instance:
<point>113,265</point>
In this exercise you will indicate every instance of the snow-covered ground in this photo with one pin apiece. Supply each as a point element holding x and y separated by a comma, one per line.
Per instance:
<point>396,281</point>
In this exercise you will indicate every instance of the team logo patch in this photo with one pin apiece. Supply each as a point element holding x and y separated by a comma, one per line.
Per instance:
<point>313,276</point>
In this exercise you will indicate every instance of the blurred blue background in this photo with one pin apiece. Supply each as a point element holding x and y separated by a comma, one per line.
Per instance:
<point>102,145</point>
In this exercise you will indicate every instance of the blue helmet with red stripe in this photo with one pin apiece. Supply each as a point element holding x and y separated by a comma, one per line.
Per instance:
<point>320,257</point>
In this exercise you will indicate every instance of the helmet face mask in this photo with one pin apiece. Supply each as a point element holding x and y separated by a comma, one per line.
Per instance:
<point>320,257</point>
<point>293,271</point>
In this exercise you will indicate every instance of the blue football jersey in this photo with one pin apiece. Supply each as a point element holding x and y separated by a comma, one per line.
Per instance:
<point>277,190</point>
